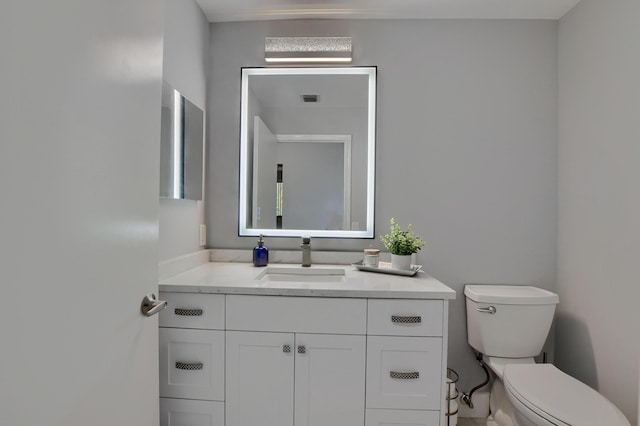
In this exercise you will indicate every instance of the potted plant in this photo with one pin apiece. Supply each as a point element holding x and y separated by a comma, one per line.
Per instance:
<point>402,243</point>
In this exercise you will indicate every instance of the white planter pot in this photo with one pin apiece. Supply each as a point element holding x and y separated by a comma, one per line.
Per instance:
<point>401,262</point>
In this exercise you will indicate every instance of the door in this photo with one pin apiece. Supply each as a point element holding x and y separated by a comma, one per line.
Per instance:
<point>265,151</point>
<point>316,168</point>
<point>259,381</point>
<point>79,152</point>
<point>329,374</point>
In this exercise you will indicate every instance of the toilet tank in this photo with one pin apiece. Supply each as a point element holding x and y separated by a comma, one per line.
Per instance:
<point>519,325</point>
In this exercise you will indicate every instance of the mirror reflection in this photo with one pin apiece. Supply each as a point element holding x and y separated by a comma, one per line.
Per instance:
<point>181,147</point>
<point>307,152</point>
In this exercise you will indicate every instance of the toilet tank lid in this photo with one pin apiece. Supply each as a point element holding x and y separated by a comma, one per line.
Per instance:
<point>510,294</point>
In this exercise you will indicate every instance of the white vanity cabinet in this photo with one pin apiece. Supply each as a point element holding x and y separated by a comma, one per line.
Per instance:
<point>405,362</point>
<point>370,351</point>
<point>311,380</point>
<point>192,364</point>
<point>282,371</point>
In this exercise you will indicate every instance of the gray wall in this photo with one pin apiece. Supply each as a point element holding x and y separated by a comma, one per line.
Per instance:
<point>467,145</point>
<point>599,225</point>
<point>186,49</point>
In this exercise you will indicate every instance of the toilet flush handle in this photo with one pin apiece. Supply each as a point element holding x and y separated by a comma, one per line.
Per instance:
<point>490,310</point>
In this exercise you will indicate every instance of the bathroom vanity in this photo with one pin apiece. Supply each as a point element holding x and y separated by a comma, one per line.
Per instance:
<point>286,345</point>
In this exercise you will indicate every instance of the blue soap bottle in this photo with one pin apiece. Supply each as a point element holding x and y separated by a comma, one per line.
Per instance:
<point>260,254</point>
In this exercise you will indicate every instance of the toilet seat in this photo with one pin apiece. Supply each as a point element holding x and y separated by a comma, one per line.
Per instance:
<point>558,398</point>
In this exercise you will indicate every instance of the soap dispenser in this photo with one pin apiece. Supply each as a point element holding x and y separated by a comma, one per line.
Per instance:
<point>260,254</point>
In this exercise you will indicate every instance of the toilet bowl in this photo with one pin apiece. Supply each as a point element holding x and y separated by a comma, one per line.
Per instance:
<point>508,325</point>
<point>543,395</point>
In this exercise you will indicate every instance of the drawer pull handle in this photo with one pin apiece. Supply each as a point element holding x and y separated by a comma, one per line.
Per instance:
<point>191,366</point>
<point>398,319</point>
<point>188,312</point>
<point>302,349</point>
<point>286,349</point>
<point>404,376</point>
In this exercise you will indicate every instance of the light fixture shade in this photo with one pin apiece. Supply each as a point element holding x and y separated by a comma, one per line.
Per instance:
<point>307,49</point>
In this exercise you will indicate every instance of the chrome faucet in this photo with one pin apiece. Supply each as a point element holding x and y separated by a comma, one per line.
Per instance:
<point>306,251</point>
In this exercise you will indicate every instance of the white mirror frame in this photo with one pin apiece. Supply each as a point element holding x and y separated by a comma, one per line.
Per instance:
<point>243,230</point>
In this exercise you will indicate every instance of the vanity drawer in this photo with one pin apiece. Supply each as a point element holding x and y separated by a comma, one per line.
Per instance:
<point>403,317</point>
<point>181,412</point>
<point>192,364</point>
<point>404,372</point>
<point>192,310</point>
<point>297,314</point>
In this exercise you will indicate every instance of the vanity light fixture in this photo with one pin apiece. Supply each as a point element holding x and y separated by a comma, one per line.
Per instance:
<point>307,49</point>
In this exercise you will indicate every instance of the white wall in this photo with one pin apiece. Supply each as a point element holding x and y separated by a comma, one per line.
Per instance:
<point>599,198</point>
<point>467,145</point>
<point>186,49</point>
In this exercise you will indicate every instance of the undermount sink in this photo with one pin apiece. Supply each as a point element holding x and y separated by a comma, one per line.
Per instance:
<point>310,275</point>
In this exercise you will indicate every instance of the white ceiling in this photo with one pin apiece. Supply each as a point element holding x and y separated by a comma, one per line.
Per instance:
<point>334,91</point>
<point>254,10</point>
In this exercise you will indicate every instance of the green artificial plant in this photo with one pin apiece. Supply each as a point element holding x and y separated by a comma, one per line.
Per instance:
<point>401,241</point>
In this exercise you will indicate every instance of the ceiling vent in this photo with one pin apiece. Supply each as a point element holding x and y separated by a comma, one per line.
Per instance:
<point>310,98</point>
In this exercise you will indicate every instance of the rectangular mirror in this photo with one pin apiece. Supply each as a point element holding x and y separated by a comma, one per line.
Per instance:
<point>307,152</point>
<point>181,147</point>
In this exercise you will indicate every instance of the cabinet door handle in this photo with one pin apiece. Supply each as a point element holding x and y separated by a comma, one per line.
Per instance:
<point>286,348</point>
<point>188,312</point>
<point>399,319</point>
<point>302,349</point>
<point>404,376</point>
<point>189,365</point>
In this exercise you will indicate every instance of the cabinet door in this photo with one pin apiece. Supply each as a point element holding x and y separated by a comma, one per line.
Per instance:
<point>329,380</point>
<point>259,382</point>
<point>186,412</point>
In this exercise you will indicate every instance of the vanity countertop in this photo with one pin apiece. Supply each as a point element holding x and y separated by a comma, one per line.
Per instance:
<point>241,278</point>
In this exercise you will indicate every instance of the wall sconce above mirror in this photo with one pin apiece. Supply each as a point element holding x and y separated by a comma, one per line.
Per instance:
<point>307,50</point>
<point>307,152</point>
<point>181,147</point>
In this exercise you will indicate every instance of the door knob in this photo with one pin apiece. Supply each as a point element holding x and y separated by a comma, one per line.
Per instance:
<point>151,305</point>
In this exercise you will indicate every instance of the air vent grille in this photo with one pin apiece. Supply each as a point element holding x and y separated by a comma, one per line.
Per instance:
<point>310,98</point>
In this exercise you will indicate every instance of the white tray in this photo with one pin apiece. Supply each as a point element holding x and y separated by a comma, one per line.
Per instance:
<point>385,268</point>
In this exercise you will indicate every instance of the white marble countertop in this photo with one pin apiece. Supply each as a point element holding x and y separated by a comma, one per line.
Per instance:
<point>242,278</point>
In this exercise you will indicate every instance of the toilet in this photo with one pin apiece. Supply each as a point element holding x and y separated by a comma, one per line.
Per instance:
<point>508,325</point>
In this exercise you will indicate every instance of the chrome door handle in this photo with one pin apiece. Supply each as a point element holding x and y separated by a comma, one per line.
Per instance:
<point>151,305</point>
<point>490,310</point>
